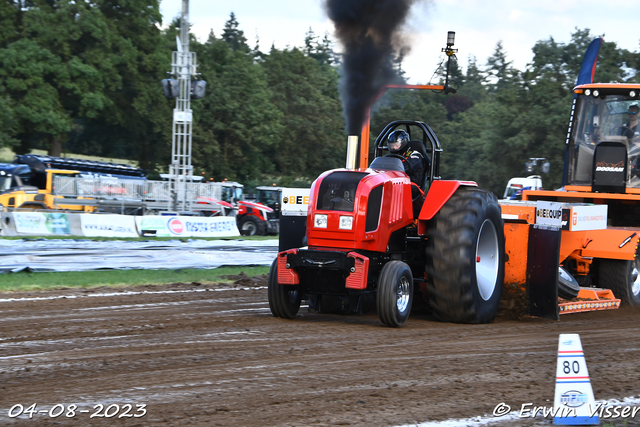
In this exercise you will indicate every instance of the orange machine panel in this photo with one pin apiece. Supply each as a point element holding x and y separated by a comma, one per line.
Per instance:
<point>516,236</point>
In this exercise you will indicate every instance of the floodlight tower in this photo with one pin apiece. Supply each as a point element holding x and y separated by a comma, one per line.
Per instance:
<point>183,68</point>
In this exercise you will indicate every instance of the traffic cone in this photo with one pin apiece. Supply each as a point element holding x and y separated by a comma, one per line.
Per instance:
<point>574,403</point>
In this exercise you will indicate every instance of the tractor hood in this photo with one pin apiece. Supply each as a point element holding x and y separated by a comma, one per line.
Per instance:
<point>358,209</point>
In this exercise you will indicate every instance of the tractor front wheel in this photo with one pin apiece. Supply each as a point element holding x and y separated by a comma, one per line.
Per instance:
<point>465,258</point>
<point>395,293</point>
<point>621,276</point>
<point>284,300</point>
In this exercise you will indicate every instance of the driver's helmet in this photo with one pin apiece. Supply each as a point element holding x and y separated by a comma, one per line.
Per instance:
<point>397,141</point>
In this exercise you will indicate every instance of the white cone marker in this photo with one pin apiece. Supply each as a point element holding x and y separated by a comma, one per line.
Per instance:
<point>574,401</point>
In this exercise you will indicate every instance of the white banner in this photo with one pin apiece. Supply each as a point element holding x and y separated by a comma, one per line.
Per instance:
<point>41,223</point>
<point>188,226</point>
<point>549,213</point>
<point>295,201</point>
<point>588,218</point>
<point>108,226</point>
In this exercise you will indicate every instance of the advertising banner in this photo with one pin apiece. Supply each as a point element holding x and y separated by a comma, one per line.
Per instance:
<point>588,218</point>
<point>188,226</point>
<point>295,201</point>
<point>153,223</point>
<point>108,226</point>
<point>549,214</point>
<point>41,223</point>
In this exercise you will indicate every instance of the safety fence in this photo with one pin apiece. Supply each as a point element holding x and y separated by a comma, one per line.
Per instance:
<point>153,194</point>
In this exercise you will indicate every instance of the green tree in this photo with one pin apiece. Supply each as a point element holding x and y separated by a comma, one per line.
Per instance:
<point>500,72</point>
<point>236,126</point>
<point>233,36</point>
<point>305,89</point>
<point>75,62</point>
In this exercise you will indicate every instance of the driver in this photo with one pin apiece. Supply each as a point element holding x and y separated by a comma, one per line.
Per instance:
<point>630,129</point>
<point>413,162</point>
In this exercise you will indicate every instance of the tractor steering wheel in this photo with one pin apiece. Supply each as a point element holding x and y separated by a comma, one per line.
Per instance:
<point>404,161</point>
<point>624,131</point>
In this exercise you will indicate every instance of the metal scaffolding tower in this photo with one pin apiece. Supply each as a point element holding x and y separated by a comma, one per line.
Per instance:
<point>183,68</point>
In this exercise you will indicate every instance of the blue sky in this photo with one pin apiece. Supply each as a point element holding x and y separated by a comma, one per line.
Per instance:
<point>479,25</point>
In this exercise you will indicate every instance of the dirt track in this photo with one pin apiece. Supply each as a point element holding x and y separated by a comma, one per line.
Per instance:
<point>218,357</point>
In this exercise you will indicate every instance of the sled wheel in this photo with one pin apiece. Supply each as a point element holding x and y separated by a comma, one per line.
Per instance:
<point>252,226</point>
<point>465,258</point>
<point>568,286</point>
<point>284,300</point>
<point>621,276</point>
<point>395,293</point>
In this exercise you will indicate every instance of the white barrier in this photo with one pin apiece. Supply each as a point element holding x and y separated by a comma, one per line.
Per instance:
<point>40,223</point>
<point>108,226</point>
<point>102,225</point>
<point>188,226</point>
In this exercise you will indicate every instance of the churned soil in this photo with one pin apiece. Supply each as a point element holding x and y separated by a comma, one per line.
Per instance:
<point>213,355</point>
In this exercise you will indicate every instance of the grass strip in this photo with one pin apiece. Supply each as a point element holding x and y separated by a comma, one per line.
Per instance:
<point>30,281</point>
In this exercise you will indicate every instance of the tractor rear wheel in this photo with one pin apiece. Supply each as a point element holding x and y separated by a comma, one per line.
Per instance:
<point>621,276</point>
<point>395,293</point>
<point>251,226</point>
<point>465,258</point>
<point>284,300</point>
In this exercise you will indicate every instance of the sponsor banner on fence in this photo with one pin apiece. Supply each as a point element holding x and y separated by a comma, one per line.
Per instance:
<point>108,226</point>
<point>41,223</point>
<point>187,226</point>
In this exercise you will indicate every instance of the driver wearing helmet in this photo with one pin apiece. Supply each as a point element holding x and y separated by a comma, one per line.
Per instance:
<point>413,162</point>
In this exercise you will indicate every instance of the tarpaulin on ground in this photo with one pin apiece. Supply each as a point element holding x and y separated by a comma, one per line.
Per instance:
<point>81,255</point>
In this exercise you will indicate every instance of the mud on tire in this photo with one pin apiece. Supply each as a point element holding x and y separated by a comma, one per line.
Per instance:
<point>465,258</point>
<point>284,300</point>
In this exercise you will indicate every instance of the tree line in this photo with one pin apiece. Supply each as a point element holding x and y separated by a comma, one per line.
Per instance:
<point>83,77</point>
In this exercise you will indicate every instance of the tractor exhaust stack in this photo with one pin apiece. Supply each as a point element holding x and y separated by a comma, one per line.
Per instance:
<point>352,151</point>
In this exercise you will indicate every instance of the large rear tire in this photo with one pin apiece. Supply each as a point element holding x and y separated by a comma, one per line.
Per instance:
<point>284,300</point>
<point>395,293</point>
<point>465,258</point>
<point>621,276</point>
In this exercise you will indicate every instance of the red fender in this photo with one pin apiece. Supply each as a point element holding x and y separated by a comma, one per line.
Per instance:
<point>439,193</point>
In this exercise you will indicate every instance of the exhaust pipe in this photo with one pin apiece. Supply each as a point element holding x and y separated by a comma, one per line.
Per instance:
<point>352,151</point>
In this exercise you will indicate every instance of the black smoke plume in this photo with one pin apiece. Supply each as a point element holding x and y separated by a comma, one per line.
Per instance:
<point>370,32</point>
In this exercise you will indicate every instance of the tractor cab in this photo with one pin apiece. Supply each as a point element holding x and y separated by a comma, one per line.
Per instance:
<point>603,147</point>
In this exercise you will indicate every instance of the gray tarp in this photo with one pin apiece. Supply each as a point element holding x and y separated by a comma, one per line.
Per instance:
<point>80,255</point>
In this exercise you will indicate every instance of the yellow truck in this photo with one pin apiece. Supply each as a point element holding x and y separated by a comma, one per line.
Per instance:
<point>29,197</point>
<point>28,182</point>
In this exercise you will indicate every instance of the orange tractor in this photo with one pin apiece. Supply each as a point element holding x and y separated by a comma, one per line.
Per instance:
<point>363,246</point>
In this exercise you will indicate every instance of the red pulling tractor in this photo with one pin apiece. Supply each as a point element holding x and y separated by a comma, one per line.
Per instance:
<point>364,245</point>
